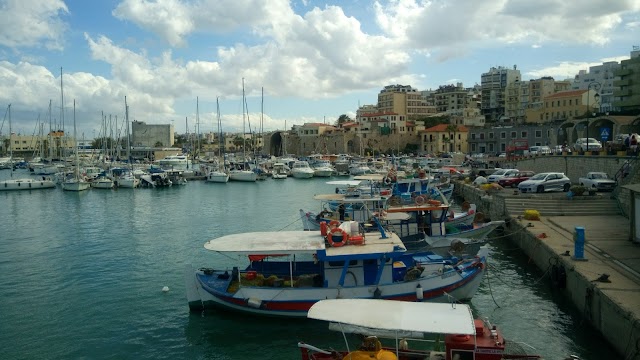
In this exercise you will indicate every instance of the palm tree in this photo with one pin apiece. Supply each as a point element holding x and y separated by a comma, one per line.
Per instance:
<point>452,138</point>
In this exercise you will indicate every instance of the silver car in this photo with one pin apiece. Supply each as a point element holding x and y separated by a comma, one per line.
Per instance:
<point>549,181</point>
<point>592,144</point>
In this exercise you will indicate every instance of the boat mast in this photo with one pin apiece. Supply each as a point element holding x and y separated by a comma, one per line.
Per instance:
<point>74,140</point>
<point>126,116</point>
<point>10,145</point>
<point>244,131</point>
<point>62,142</point>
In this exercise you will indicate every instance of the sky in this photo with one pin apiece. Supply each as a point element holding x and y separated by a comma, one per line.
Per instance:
<point>296,61</point>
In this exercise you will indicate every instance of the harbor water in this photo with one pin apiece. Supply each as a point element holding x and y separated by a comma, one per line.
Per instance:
<point>82,277</point>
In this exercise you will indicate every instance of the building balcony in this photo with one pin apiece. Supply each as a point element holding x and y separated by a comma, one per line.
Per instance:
<point>623,82</point>
<point>622,72</point>
<point>622,92</point>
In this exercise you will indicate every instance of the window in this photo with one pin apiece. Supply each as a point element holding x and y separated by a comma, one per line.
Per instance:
<point>503,135</point>
<point>490,135</point>
<point>481,136</point>
<point>538,133</point>
<point>524,134</point>
<point>513,134</point>
<point>473,136</point>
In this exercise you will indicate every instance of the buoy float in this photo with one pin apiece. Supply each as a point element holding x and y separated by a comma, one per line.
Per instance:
<point>165,289</point>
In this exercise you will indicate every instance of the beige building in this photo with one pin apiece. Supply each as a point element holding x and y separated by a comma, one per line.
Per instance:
<point>405,101</point>
<point>444,138</point>
<point>564,105</point>
<point>27,145</point>
<point>524,95</point>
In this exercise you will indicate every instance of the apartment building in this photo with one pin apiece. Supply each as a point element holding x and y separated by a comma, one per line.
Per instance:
<point>566,105</point>
<point>601,78</point>
<point>496,139</point>
<point>526,95</point>
<point>494,98</point>
<point>627,93</point>
<point>444,138</point>
<point>405,101</point>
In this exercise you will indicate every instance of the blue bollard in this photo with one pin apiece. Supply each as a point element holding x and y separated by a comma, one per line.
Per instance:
<point>578,244</point>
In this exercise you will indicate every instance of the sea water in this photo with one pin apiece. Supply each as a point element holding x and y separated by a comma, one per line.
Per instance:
<point>82,277</point>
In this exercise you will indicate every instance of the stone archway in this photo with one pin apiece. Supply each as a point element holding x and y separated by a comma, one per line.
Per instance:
<point>276,144</point>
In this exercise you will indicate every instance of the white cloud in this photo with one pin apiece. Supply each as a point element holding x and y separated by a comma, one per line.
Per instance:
<point>174,20</point>
<point>444,25</point>
<point>32,23</point>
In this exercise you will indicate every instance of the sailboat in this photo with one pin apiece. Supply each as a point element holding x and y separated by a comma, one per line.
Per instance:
<point>127,179</point>
<point>242,172</point>
<point>76,183</point>
<point>219,175</point>
<point>24,183</point>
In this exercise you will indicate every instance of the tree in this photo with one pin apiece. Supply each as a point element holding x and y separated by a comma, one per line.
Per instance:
<point>158,144</point>
<point>238,141</point>
<point>435,120</point>
<point>342,119</point>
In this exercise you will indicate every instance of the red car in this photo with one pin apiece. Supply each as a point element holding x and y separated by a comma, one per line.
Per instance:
<point>513,181</point>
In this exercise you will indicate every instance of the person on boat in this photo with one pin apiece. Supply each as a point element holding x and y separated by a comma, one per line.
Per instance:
<point>341,210</point>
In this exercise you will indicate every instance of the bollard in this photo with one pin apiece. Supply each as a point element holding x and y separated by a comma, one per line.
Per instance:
<point>578,244</point>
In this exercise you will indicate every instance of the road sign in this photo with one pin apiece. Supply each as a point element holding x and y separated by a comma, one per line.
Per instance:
<point>604,134</point>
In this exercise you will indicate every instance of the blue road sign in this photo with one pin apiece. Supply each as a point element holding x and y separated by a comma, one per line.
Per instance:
<point>604,134</point>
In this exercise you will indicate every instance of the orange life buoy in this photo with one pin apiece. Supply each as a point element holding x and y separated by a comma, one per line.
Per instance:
<point>434,202</point>
<point>337,231</point>
<point>334,224</point>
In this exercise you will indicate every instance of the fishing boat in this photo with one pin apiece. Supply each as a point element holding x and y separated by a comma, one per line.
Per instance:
<point>422,224</point>
<point>287,272</point>
<point>395,330</point>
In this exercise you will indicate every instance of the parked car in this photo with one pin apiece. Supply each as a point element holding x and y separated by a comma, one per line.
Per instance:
<point>593,145</point>
<point>559,149</point>
<point>514,180</point>
<point>548,181</point>
<point>539,150</point>
<point>597,180</point>
<point>499,174</point>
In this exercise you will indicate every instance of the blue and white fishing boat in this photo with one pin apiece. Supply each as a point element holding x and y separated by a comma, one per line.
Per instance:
<point>285,273</point>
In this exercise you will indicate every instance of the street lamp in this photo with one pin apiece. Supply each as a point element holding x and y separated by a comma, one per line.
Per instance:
<point>595,86</point>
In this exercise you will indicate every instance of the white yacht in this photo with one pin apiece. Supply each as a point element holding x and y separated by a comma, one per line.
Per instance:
<point>301,170</point>
<point>323,168</point>
<point>178,161</point>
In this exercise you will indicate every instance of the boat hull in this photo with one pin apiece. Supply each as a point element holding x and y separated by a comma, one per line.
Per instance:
<point>243,175</point>
<point>26,184</point>
<point>218,177</point>
<point>208,291</point>
<point>75,185</point>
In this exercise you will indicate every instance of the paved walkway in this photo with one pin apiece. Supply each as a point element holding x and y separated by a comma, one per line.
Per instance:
<point>608,250</point>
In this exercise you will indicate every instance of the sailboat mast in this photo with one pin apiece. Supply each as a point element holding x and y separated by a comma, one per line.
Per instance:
<point>63,143</point>
<point>74,141</point>
<point>126,117</point>
<point>244,131</point>
<point>50,149</point>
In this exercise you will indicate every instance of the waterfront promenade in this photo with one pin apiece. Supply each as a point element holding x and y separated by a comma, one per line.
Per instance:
<point>605,285</point>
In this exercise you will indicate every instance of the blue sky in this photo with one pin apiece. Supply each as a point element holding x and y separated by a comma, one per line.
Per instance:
<point>315,60</point>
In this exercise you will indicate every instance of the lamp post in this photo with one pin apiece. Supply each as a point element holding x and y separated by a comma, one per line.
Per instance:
<point>595,86</point>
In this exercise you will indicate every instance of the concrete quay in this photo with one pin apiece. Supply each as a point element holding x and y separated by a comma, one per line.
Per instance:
<point>605,286</point>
